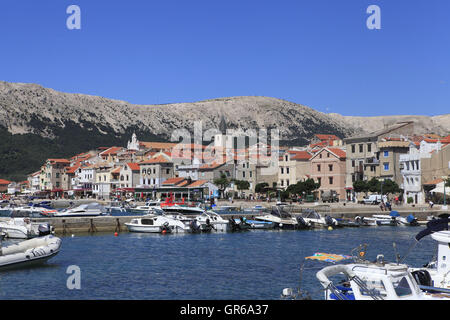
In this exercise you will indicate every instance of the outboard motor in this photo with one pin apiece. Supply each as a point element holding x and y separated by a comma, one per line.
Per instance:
<point>208,226</point>
<point>195,228</point>
<point>244,224</point>
<point>422,277</point>
<point>45,230</point>
<point>233,225</point>
<point>412,220</point>
<point>329,220</point>
<point>165,228</point>
<point>301,223</point>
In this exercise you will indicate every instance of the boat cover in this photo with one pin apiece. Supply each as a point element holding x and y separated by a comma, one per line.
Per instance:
<point>328,257</point>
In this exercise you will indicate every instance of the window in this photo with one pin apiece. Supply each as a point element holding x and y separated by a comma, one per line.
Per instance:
<point>286,158</point>
<point>282,183</point>
<point>320,156</point>
<point>361,148</point>
<point>386,166</point>
<point>353,178</point>
<point>401,287</point>
<point>353,163</point>
<point>287,170</point>
<point>251,174</point>
<point>330,180</point>
<point>167,171</point>
<point>282,170</point>
<point>353,148</point>
<point>328,155</point>
<point>287,182</point>
<point>330,167</point>
<point>369,147</point>
<point>319,181</point>
<point>243,174</point>
<point>386,154</point>
<point>318,167</point>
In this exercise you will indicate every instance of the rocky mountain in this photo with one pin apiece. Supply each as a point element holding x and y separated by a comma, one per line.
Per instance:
<point>37,122</point>
<point>423,124</point>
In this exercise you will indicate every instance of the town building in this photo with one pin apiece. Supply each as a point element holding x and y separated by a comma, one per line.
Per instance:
<point>328,169</point>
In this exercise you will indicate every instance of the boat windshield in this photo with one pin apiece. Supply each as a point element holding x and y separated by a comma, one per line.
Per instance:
<point>310,214</point>
<point>401,286</point>
<point>375,287</point>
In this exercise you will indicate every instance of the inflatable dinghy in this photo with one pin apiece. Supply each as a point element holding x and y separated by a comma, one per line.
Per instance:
<point>29,252</point>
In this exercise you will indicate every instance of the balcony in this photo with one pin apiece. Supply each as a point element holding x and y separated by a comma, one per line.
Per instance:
<point>371,161</point>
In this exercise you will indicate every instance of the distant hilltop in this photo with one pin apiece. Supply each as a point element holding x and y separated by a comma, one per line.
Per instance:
<point>37,122</point>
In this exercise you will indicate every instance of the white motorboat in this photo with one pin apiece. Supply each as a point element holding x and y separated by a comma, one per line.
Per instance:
<point>29,252</point>
<point>382,220</point>
<point>283,219</point>
<point>186,210</point>
<point>158,224</point>
<point>84,210</point>
<point>23,228</point>
<point>211,221</point>
<point>315,220</point>
<point>373,281</point>
<point>31,211</point>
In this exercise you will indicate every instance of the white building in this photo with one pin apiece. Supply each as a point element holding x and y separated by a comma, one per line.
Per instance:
<point>410,165</point>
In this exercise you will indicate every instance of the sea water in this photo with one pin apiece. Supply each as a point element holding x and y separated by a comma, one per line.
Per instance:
<point>250,265</point>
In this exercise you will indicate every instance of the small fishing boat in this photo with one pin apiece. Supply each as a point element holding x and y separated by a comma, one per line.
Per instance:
<point>23,228</point>
<point>283,219</point>
<point>315,220</point>
<point>365,222</point>
<point>364,280</point>
<point>157,224</point>
<point>29,252</point>
<point>84,210</point>
<point>211,221</point>
<point>240,224</point>
<point>373,281</point>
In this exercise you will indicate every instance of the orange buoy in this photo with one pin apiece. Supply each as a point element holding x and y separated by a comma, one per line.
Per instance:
<point>116,234</point>
<point>163,232</point>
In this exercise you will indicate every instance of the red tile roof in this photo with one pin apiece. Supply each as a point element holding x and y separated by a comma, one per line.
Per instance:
<point>174,181</point>
<point>339,152</point>
<point>64,161</point>
<point>158,159</point>
<point>112,150</point>
<point>300,155</point>
<point>197,183</point>
<point>72,169</point>
<point>327,137</point>
<point>4,182</point>
<point>133,166</point>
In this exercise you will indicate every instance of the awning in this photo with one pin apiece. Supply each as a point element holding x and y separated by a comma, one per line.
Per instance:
<point>440,189</point>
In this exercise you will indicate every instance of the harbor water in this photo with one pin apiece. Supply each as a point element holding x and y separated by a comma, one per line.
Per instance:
<point>254,265</point>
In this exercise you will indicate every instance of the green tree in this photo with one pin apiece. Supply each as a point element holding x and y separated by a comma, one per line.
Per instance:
<point>242,185</point>
<point>360,186</point>
<point>261,187</point>
<point>390,187</point>
<point>222,183</point>
<point>374,185</point>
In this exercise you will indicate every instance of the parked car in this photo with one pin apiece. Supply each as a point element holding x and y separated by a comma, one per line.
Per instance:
<point>330,196</point>
<point>373,199</point>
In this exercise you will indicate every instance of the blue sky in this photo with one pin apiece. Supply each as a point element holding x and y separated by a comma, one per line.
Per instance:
<point>314,52</point>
